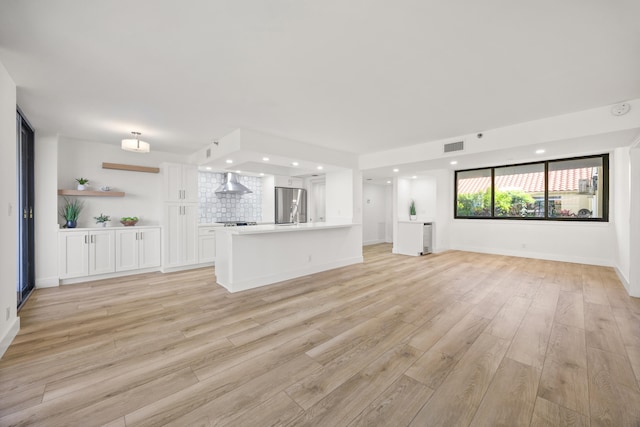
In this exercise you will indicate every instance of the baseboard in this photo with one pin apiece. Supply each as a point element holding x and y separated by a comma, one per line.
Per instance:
<point>535,255</point>
<point>84,279</point>
<point>47,282</point>
<point>186,267</point>
<point>6,340</point>
<point>372,242</point>
<point>622,279</point>
<point>287,275</point>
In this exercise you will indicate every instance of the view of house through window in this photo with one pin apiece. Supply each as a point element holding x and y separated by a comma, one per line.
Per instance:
<point>560,189</point>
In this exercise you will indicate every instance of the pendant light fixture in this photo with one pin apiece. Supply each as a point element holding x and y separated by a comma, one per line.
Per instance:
<point>134,144</point>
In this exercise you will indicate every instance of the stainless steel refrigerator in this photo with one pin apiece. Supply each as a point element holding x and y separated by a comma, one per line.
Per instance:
<point>291,205</point>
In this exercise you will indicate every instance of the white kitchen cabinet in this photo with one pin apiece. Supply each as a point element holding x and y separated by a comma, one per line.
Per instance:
<point>180,235</point>
<point>137,249</point>
<point>180,183</point>
<point>207,245</point>
<point>86,253</point>
<point>287,181</point>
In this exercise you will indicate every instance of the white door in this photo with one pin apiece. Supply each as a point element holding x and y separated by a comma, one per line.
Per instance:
<point>102,252</point>
<point>73,247</point>
<point>172,182</point>
<point>149,248</point>
<point>190,234</point>
<point>126,249</point>
<point>190,183</point>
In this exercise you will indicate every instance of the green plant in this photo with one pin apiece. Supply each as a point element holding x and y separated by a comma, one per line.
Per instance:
<point>71,209</point>
<point>82,181</point>
<point>412,208</point>
<point>129,218</point>
<point>102,218</point>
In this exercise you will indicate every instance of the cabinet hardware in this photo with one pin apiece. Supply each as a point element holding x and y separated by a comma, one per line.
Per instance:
<point>24,213</point>
<point>92,239</point>
<point>136,235</point>
<point>141,233</point>
<point>31,212</point>
<point>85,240</point>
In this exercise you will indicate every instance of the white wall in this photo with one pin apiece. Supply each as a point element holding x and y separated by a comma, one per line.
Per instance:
<point>620,198</point>
<point>375,208</point>
<point>143,195</point>
<point>339,195</point>
<point>46,208</point>
<point>268,199</point>
<point>9,325</point>
<point>634,222</point>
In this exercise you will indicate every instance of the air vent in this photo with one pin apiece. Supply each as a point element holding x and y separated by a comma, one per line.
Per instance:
<point>454,146</point>
<point>208,152</point>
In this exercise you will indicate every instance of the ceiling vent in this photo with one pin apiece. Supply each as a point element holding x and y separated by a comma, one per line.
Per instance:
<point>454,146</point>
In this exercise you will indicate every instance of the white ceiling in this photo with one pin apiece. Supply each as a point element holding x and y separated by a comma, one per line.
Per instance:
<point>359,76</point>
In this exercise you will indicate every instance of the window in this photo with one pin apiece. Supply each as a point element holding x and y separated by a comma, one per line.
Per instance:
<point>568,189</point>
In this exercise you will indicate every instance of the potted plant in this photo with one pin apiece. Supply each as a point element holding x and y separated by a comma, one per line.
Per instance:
<point>81,183</point>
<point>70,212</point>
<point>102,219</point>
<point>412,211</point>
<point>129,221</point>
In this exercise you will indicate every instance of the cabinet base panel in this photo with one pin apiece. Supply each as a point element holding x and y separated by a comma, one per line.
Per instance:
<point>107,276</point>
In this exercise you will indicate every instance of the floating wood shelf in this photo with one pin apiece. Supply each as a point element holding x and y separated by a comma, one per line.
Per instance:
<point>91,193</point>
<point>132,168</point>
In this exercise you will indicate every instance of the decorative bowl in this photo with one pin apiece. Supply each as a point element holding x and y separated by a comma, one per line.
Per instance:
<point>129,223</point>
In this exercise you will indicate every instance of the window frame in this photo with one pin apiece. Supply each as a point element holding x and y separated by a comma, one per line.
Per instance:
<point>604,184</point>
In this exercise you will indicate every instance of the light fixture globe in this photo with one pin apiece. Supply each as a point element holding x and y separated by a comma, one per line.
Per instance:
<point>135,144</point>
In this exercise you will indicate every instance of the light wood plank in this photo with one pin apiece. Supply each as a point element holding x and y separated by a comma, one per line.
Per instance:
<point>548,414</point>
<point>132,168</point>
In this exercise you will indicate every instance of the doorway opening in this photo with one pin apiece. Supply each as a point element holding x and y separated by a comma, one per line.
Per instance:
<point>26,209</point>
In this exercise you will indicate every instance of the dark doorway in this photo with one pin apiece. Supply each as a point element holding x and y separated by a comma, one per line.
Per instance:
<point>26,209</point>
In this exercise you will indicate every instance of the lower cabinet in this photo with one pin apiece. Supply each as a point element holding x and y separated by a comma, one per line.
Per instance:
<point>207,245</point>
<point>180,235</point>
<point>86,253</point>
<point>137,249</point>
<point>93,252</point>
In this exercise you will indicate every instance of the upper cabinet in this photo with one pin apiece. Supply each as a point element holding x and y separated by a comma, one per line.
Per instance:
<point>288,181</point>
<point>180,182</point>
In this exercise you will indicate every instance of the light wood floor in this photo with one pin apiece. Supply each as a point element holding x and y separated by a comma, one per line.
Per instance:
<point>454,339</point>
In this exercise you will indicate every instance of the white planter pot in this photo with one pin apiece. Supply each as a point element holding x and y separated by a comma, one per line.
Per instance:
<point>81,187</point>
<point>412,217</point>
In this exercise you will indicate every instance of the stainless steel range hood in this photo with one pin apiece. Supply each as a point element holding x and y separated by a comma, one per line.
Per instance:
<point>232,186</point>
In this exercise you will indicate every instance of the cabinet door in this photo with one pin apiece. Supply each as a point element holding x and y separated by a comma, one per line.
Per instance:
<point>127,249</point>
<point>172,233</point>
<point>172,182</point>
<point>73,254</point>
<point>102,252</point>
<point>207,248</point>
<point>149,248</point>
<point>190,183</point>
<point>190,234</point>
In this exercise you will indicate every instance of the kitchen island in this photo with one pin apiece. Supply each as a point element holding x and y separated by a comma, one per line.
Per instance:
<point>253,256</point>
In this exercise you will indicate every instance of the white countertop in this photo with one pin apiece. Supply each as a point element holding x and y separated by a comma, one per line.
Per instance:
<point>417,221</point>
<point>281,228</point>
<point>113,227</point>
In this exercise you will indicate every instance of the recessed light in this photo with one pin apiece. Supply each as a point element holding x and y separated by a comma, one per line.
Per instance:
<point>396,170</point>
<point>413,177</point>
<point>229,161</point>
<point>453,162</point>
<point>320,168</point>
<point>261,173</point>
<point>388,182</point>
<point>294,163</point>
<point>540,151</point>
<point>265,159</point>
<point>238,171</point>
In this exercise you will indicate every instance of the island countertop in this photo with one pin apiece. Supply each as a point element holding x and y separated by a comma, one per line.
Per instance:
<point>283,228</point>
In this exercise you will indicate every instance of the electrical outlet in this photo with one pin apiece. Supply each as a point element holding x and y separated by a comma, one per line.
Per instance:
<point>524,245</point>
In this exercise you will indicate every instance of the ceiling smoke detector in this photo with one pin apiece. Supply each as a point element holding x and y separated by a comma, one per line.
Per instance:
<point>620,109</point>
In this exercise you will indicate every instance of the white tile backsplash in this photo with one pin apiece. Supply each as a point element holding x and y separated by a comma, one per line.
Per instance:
<point>229,207</point>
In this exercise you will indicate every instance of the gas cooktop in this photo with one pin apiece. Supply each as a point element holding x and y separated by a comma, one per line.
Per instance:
<point>237,223</point>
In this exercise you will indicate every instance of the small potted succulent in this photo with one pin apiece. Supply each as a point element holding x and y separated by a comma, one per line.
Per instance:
<point>102,219</point>
<point>70,211</point>
<point>412,211</point>
<point>81,183</point>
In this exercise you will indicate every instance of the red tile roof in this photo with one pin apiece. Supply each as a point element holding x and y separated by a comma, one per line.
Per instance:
<point>562,180</point>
